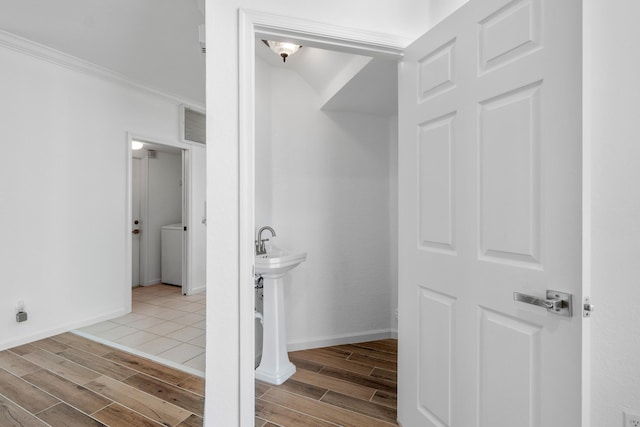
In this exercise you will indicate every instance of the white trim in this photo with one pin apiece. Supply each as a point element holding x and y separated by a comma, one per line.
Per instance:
<point>253,24</point>
<point>186,222</point>
<point>56,57</point>
<point>246,202</point>
<point>318,342</point>
<point>137,352</point>
<point>326,36</point>
<point>64,328</point>
<point>197,290</point>
<point>587,191</point>
<point>128,215</point>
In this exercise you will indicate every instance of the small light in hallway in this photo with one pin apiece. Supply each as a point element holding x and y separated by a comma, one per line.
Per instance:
<point>136,145</point>
<point>283,49</point>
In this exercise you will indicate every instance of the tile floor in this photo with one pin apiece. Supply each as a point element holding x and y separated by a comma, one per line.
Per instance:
<point>163,323</point>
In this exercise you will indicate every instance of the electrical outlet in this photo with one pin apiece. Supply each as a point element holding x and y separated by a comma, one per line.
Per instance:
<point>21,316</point>
<point>631,420</point>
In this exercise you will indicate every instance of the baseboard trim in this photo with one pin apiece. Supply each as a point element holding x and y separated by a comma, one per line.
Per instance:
<point>199,289</point>
<point>329,341</point>
<point>61,329</point>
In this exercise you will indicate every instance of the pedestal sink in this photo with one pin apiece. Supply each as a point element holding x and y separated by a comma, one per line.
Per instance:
<point>275,366</point>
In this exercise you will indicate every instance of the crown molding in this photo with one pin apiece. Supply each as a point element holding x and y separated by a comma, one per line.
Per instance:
<point>61,59</point>
<point>318,34</point>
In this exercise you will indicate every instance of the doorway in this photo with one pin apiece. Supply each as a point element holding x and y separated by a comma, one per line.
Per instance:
<point>341,168</point>
<point>159,209</point>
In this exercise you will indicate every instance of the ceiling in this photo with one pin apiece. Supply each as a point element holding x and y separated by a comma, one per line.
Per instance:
<point>152,42</point>
<point>155,43</point>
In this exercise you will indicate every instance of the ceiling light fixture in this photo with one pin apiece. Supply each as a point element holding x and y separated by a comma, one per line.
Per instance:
<point>283,49</point>
<point>136,145</point>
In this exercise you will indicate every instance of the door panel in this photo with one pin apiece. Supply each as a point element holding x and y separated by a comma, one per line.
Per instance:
<point>135,205</point>
<point>490,204</point>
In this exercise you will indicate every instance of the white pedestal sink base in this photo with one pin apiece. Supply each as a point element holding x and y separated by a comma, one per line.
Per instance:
<point>278,377</point>
<point>275,366</point>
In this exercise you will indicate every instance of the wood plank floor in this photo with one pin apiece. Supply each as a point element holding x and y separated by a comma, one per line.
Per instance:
<point>68,380</point>
<point>347,385</point>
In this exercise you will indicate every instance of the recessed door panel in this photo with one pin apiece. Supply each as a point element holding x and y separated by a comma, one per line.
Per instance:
<point>509,371</point>
<point>509,169</point>
<point>510,33</point>
<point>435,187</point>
<point>434,355</point>
<point>436,71</point>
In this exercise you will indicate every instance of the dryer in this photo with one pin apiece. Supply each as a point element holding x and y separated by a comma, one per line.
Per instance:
<point>171,253</point>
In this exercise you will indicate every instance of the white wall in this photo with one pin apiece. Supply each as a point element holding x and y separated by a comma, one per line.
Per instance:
<point>263,182</point>
<point>393,220</point>
<point>406,18</point>
<point>612,90</point>
<point>440,9</point>
<point>63,191</point>
<point>165,205</point>
<point>330,198</point>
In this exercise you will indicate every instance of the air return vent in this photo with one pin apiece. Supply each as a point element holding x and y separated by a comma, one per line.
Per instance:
<point>194,125</point>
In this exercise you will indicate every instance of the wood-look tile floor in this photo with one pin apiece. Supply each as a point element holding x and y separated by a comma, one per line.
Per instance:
<point>67,380</point>
<point>347,385</point>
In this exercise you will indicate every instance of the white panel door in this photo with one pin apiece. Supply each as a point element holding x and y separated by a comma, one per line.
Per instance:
<point>490,204</point>
<point>136,171</point>
<point>197,250</point>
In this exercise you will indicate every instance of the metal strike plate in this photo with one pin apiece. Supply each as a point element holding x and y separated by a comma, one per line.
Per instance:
<point>556,302</point>
<point>587,307</point>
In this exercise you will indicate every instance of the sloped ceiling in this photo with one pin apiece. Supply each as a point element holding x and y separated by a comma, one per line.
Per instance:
<point>344,82</point>
<point>152,42</point>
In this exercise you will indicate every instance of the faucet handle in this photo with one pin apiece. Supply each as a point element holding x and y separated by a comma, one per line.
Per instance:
<point>263,247</point>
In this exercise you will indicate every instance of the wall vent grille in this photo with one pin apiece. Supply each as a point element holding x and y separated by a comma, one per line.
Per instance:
<point>194,125</point>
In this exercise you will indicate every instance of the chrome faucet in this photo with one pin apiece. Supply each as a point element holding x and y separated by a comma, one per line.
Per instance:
<point>260,249</point>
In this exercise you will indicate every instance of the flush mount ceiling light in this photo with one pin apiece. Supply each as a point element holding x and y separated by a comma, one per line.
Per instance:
<point>283,49</point>
<point>136,145</point>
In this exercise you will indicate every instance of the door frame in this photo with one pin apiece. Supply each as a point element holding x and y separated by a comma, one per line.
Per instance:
<point>254,25</point>
<point>186,209</point>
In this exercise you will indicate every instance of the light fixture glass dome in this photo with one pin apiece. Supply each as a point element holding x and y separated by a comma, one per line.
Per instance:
<point>283,49</point>
<point>136,145</point>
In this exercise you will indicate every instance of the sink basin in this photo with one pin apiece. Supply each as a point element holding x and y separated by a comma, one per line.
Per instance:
<point>278,261</point>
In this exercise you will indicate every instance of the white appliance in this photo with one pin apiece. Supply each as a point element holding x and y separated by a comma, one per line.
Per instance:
<point>171,253</point>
